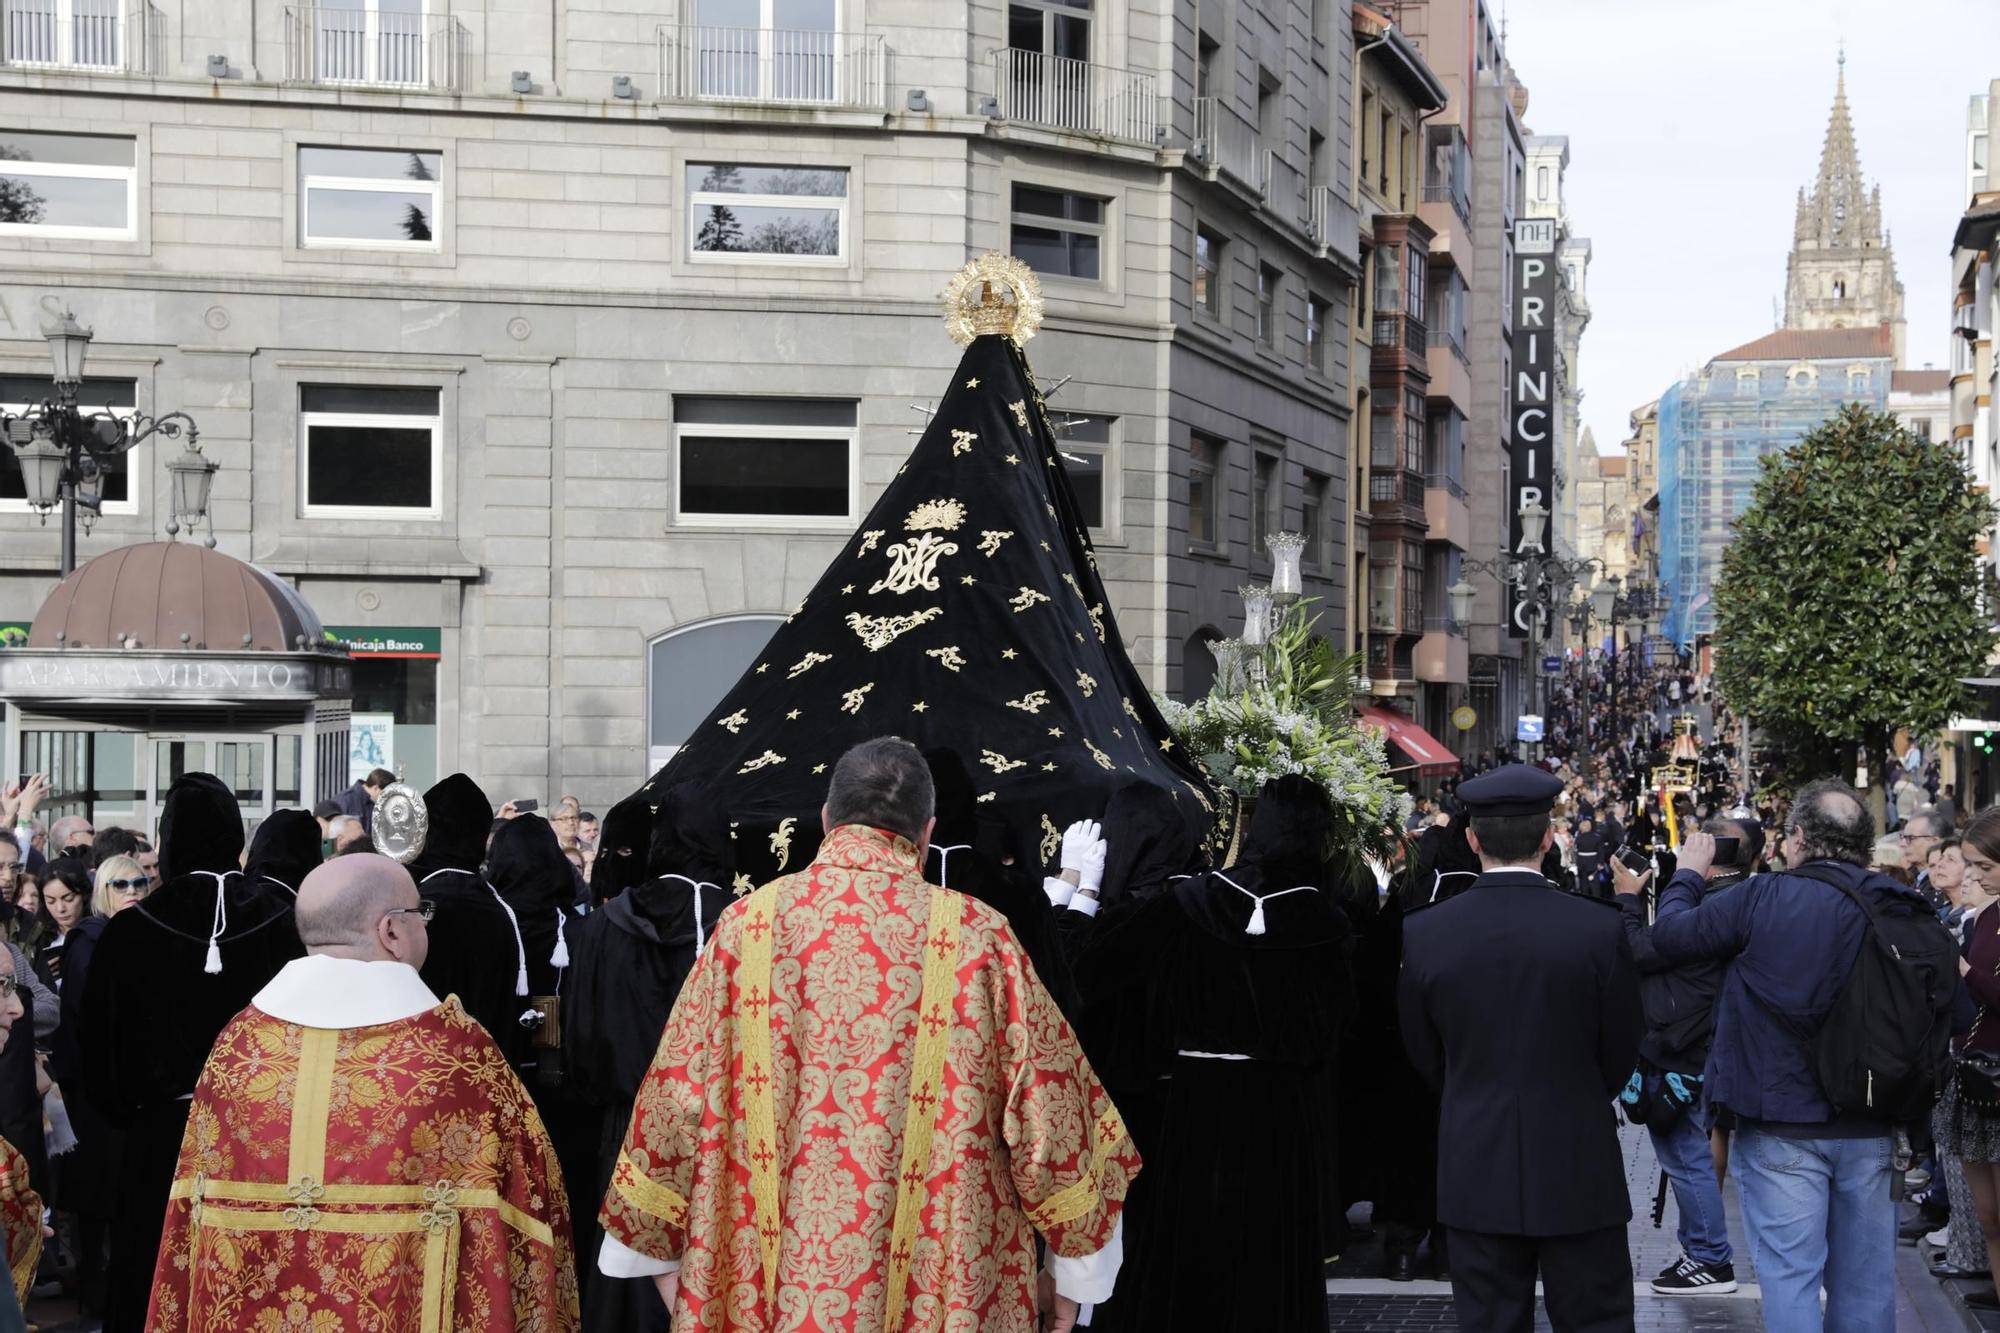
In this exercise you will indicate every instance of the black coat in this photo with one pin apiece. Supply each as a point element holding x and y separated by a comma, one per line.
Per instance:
<point>1521,1003</point>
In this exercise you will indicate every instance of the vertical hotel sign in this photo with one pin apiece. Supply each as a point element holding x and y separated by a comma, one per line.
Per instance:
<point>1532,453</point>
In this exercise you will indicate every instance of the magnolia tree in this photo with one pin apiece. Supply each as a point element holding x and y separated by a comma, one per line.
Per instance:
<point>1851,601</point>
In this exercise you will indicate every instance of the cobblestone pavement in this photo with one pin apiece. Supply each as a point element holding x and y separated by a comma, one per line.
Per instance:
<point>1359,1301</point>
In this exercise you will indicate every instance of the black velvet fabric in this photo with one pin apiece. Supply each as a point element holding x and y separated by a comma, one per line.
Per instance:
<point>1151,840</point>
<point>622,843</point>
<point>1002,647</point>
<point>526,864</point>
<point>285,850</point>
<point>1241,1158</point>
<point>971,855</point>
<point>1444,863</point>
<point>472,954</point>
<point>150,1011</point>
<point>630,959</point>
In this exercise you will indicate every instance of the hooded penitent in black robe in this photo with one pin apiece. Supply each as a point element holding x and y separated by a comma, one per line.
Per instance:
<point>1151,839</point>
<point>971,855</point>
<point>476,953</point>
<point>1227,1228</point>
<point>622,841</point>
<point>169,973</point>
<point>285,850</point>
<point>628,961</point>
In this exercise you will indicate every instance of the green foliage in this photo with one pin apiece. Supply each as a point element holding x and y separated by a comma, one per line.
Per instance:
<point>1849,602</point>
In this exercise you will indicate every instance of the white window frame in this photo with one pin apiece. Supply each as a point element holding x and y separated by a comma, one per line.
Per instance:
<point>129,506</point>
<point>371,38</point>
<point>65,18</point>
<point>700,199</point>
<point>851,435</point>
<point>373,185</point>
<point>1101,230</point>
<point>391,420</point>
<point>80,171</point>
<point>1111,497</point>
<point>1270,282</point>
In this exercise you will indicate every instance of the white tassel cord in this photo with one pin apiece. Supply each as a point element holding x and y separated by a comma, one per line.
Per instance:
<point>944,861</point>
<point>520,948</point>
<point>559,958</point>
<point>700,936</point>
<point>212,964</point>
<point>1256,924</point>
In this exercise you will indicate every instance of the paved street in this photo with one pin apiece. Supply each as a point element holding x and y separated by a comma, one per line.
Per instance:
<point>1359,1302</point>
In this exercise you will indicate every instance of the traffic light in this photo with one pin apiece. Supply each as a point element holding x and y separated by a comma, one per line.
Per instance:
<point>1983,742</point>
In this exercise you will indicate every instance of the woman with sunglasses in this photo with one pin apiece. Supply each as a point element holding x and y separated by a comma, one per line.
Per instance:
<point>120,883</point>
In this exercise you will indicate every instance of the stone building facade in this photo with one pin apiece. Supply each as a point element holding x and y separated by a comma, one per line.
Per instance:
<point>551,349</point>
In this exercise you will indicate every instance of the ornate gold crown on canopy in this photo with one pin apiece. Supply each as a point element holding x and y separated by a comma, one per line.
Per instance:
<point>995,293</point>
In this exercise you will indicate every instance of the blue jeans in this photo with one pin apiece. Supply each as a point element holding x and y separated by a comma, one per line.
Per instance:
<point>1684,1155</point>
<point>1819,1214</point>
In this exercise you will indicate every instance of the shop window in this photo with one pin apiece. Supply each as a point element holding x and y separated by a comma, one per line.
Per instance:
<point>1059,233</point>
<point>80,186</point>
<point>759,459</point>
<point>370,451</point>
<point>690,668</point>
<point>1085,449</point>
<point>367,198</point>
<point>768,214</point>
<point>19,393</point>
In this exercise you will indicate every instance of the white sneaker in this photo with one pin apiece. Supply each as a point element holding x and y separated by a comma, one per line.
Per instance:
<point>1940,1238</point>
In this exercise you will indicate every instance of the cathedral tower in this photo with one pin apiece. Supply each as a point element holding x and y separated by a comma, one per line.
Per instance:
<point>1842,272</point>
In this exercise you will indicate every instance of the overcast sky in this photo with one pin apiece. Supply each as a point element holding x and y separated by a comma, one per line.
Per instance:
<point>1692,125</point>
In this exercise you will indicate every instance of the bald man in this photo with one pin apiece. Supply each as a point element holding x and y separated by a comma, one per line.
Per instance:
<point>347,1121</point>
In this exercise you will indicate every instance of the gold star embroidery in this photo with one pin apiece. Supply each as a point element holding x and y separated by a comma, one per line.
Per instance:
<point>1014,460</point>
<point>792,716</point>
<point>742,885</point>
<point>966,579</point>
<point>972,383</point>
<point>1167,743</point>
<point>1009,654</point>
<point>819,768</point>
<point>846,589</point>
<point>1048,548</point>
<point>920,707</point>
<point>762,667</point>
<point>1048,768</point>
<point>1056,732</point>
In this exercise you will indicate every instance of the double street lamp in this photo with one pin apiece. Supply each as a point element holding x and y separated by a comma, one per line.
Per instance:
<point>1545,580</point>
<point>64,449</point>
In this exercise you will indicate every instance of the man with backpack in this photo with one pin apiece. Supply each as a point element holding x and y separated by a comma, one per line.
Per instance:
<point>1831,1034</point>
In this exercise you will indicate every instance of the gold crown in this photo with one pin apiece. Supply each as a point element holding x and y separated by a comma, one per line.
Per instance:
<point>994,294</point>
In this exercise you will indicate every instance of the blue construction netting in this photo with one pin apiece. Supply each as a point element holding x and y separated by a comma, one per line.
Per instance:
<point>1715,427</point>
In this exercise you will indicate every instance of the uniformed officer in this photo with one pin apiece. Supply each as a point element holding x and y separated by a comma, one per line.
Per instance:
<point>1520,1002</point>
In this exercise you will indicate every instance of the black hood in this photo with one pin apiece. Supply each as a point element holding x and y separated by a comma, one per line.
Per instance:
<point>957,805</point>
<point>526,864</point>
<point>460,817</point>
<point>691,836</point>
<point>1153,837</point>
<point>201,827</point>
<point>627,829</point>
<point>1289,832</point>
<point>286,848</point>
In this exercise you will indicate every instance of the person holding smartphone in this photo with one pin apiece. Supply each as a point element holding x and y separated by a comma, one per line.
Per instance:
<point>1679,1003</point>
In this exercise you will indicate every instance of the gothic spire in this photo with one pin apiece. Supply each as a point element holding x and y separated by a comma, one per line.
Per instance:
<point>1839,211</point>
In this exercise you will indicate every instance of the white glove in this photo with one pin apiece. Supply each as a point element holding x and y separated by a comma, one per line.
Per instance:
<point>1091,871</point>
<point>1077,840</point>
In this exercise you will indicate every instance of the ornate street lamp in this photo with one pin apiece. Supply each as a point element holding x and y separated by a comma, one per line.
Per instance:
<point>192,474</point>
<point>1460,595</point>
<point>63,450</point>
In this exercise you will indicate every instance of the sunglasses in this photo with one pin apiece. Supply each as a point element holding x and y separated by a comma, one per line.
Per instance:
<point>423,911</point>
<point>128,885</point>
<point>8,985</point>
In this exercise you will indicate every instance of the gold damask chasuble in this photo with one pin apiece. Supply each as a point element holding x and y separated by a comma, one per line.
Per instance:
<point>384,1179</point>
<point>863,1108</point>
<point>20,1220</point>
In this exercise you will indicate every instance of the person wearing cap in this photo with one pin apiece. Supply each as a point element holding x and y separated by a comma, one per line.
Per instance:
<point>168,974</point>
<point>1520,1003</point>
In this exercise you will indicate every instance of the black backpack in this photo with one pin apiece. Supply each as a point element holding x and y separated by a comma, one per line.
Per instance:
<point>1881,1052</point>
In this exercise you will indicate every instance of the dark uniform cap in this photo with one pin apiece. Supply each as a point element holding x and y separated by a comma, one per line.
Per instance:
<point>1516,789</point>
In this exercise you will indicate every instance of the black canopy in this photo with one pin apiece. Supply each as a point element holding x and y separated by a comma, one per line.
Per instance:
<point>967,613</point>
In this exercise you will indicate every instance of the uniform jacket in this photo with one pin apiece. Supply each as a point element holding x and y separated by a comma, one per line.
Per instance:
<point>1520,1002</point>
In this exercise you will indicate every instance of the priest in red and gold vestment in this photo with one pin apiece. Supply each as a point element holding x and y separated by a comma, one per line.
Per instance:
<point>360,1157</point>
<point>865,1105</point>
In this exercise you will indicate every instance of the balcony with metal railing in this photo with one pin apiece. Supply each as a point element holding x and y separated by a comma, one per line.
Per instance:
<point>771,65</point>
<point>1059,93</point>
<point>376,48</point>
<point>1333,224</point>
<point>110,35</point>
<point>1228,147</point>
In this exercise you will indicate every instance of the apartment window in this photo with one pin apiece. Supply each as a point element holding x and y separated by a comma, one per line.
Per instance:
<point>764,459</point>
<point>1385,148</point>
<point>1416,281</point>
<point>1316,308</point>
<point>1382,586</point>
<point>368,198</point>
<point>1208,273</point>
<point>1084,445</point>
<point>1268,105</point>
<point>1413,431</point>
<point>370,451</point>
<point>19,393</point>
<point>1541,183</point>
<point>1312,521</point>
<point>1051,27</point>
<point>81,186</point>
<point>1388,279</point>
<point>785,50</point>
<point>1922,427</point>
<point>1204,484</point>
<point>1444,451</point>
<point>1058,232</point>
<point>1384,441</point>
<point>770,214</point>
<point>370,41</point>
<point>1367,137</point>
<point>1204,66</point>
<point>1447,311</point>
<point>1267,500</point>
<point>1413,586</point>
<point>1267,304</point>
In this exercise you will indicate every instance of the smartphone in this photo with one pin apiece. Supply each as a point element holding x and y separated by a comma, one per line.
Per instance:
<point>1635,860</point>
<point>1725,850</point>
<point>526,804</point>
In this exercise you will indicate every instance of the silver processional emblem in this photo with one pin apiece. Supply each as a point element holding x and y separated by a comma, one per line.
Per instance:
<point>401,822</point>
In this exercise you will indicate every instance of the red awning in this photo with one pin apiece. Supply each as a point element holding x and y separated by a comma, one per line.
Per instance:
<point>1432,758</point>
